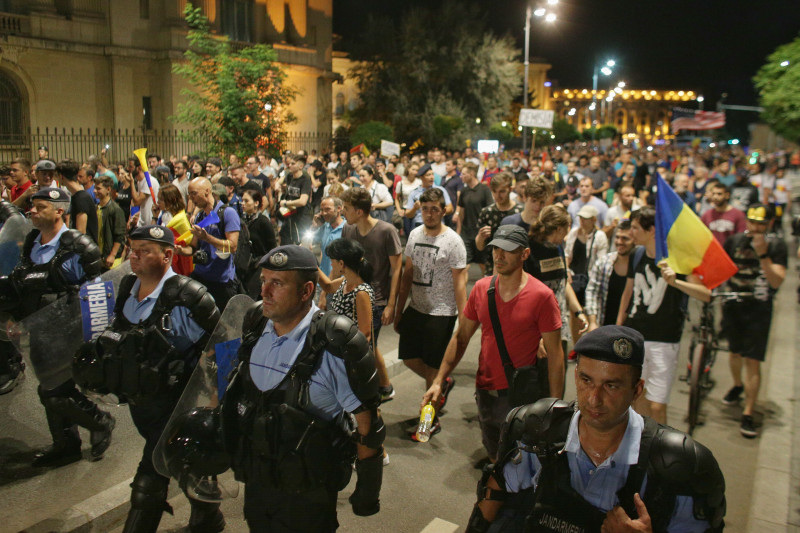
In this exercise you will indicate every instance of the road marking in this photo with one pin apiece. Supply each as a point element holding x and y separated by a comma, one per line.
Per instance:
<point>438,525</point>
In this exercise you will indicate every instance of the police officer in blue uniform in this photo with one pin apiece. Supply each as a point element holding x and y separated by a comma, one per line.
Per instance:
<point>54,262</point>
<point>286,415</point>
<point>146,355</point>
<point>598,466</point>
<point>11,365</point>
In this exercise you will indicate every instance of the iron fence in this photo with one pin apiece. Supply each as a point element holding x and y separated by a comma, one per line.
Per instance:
<point>79,144</point>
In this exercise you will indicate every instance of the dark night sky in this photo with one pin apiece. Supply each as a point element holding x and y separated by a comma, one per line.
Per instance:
<point>710,46</point>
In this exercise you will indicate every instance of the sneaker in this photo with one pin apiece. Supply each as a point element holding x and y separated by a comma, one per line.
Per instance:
<point>385,459</point>
<point>748,427</point>
<point>572,356</point>
<point>447,386</point>
<point>734,395</point>
<point>437,427</point>
<point>387,393</point>
<point>8,382</point>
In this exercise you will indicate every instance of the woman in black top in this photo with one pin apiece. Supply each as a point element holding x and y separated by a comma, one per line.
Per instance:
<point>547,264</point>
<point>262,237</point>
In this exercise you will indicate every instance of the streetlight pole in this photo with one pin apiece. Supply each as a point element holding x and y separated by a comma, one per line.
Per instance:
<point>525,82</point>
<point>606,70</point>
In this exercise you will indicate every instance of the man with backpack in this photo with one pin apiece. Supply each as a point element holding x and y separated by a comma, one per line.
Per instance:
<point>216,230</point>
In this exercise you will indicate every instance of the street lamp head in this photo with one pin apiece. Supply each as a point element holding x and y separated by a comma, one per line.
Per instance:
<point>540,12</point>
<point>785,63</point>
<point>621,84</point>
<point>606,71</point>
<point>700,98</point>
<point>610,63</point>
<point>552,2</point>
<point>478,120</point>
<point>550,17</point>
<point>267,107</point>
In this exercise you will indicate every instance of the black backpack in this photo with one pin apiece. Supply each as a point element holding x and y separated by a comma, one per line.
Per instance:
<point>244,249</point>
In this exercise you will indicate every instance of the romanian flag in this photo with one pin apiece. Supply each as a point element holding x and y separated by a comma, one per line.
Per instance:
<point>360,148</point>
<point>686,243</point>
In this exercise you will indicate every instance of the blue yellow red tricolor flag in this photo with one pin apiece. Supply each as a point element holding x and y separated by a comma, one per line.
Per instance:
<point>686,243</point>
<point>360,148</point>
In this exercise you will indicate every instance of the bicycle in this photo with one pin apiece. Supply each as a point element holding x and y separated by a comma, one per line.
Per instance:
<point>703,353</point>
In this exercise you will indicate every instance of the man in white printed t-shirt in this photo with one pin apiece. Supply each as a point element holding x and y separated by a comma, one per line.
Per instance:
<point>433,275</point>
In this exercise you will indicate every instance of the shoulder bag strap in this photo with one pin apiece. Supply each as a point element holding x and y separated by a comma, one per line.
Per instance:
<point>508,366</point>
<point>637,472</point>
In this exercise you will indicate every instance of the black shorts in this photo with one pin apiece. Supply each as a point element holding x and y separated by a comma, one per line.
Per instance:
<point>473,254</point>
<point>746,326</point>
<point>424,336</point>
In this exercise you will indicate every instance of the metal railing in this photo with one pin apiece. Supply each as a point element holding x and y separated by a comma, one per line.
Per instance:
<point>79,143</point>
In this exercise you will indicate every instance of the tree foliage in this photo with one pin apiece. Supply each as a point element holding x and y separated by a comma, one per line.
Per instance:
<point>777,87</point>
<point>238,100</point>
<point>432,75</point>
<point>371,133</point>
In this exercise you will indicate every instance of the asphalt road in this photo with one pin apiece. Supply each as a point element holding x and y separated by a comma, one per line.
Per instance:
<point>427,487</point>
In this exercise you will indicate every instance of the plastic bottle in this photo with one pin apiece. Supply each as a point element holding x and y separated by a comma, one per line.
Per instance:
<point>425,423</point>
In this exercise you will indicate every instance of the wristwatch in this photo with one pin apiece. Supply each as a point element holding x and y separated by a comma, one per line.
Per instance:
<point>579,312</point>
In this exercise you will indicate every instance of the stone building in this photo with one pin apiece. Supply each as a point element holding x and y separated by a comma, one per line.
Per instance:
<point>107,64</point>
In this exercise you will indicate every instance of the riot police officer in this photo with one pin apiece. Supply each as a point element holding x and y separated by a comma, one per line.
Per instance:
<point>620,472</point>
<point>286,414</point>
<point>54,262</point>
<point>11,364</point>
<point>161,322</point>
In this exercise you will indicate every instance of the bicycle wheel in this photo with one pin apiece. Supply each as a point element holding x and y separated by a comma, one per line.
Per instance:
<point>695,387</point>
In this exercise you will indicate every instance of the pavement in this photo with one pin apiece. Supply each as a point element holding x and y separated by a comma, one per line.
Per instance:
<point>429,487</point>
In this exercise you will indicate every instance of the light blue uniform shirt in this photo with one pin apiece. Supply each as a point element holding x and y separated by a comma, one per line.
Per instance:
<point>43,253</point>
<point>217,269</point>
<point>184,331</point>
<point>416,193</point>
<point>598,485</point>
<point>273,356</point>
<point>324,236</point>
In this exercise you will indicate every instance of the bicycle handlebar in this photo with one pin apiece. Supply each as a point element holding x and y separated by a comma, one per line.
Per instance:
<point>731,295</point>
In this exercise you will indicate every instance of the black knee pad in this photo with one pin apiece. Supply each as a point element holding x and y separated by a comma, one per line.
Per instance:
<point>149,492</point>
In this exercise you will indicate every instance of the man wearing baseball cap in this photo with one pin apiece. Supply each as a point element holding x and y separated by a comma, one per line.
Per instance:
<point>162,320</point>
<point>527,312</point>
<point>301,369</point>
<point>761,258</point>
<point>582,466</point>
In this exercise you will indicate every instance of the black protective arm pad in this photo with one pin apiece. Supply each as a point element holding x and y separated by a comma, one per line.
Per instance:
<point>477,523</point>
<point>377,432</point>
<point>87,251</point>
<point>9,294</point>
<point>366,498</point>
<point>340,336</point>
<point>8,210</point>
<point>686,467</point>
<point>543,424</point>
<point>191,294</point>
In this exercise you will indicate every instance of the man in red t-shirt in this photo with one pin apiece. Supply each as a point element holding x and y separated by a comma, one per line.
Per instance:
<point>528,313</point>
<point>724,220</point>
<point>21,192</point>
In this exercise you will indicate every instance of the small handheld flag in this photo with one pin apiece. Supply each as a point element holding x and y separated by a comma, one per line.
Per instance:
<point>686,243</point>
<point>141,154</point>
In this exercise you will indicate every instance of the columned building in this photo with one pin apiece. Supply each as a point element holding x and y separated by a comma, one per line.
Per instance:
<point>107,64</point>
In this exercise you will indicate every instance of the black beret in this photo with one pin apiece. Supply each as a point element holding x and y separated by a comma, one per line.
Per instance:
<point>614,344</point>
<point>51,194</point>
<point>424,170</point>
<point>289,257</point>
<point>153,233</point>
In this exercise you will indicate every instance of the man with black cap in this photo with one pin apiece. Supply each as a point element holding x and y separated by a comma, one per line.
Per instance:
<point>55,261</point>
<point>301,373</point>
<point>597,465</point>
<point>527,313</point>
<point>761,258</point>
<point>161,322</point>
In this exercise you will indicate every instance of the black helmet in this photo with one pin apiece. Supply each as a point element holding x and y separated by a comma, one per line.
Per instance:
<point>194,452</point>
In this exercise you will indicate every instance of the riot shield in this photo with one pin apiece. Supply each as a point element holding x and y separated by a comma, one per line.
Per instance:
<point>49,337</point>
<point>184,451</point>
<point>12,235</point>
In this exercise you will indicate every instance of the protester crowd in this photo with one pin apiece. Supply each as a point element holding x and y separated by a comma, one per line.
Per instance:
<point>396,236</point>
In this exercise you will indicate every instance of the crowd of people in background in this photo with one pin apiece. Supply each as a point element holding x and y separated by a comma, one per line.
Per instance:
<point>584,209</point>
